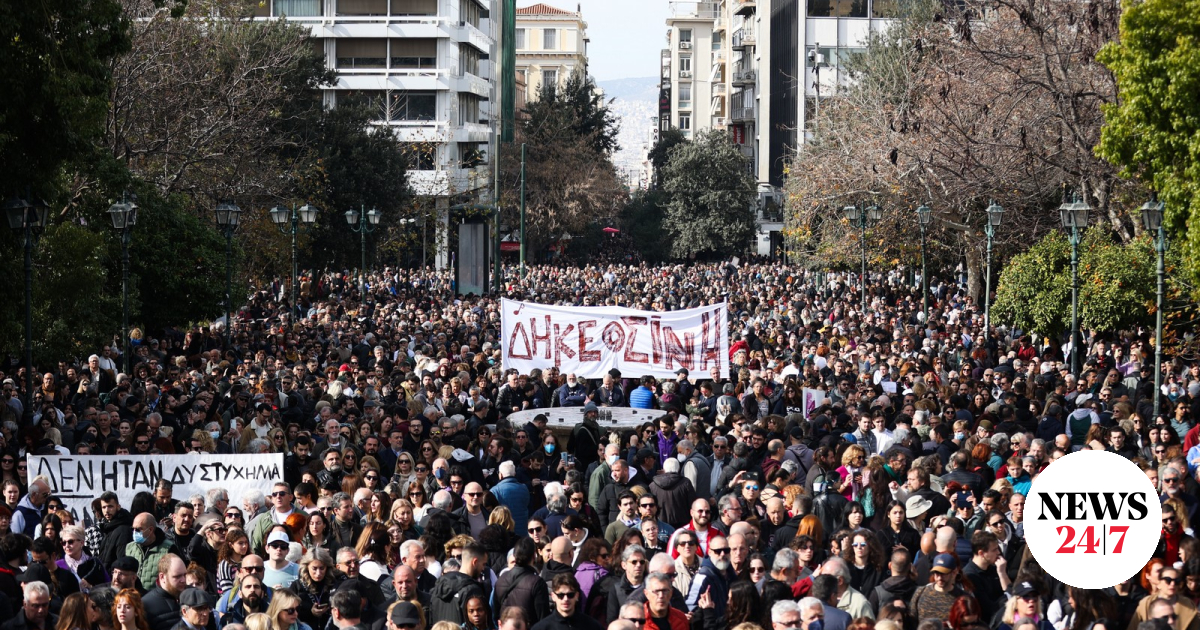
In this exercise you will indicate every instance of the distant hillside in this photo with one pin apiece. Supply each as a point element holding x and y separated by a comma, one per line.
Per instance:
<point>641,89</point>
<point>636,104</point>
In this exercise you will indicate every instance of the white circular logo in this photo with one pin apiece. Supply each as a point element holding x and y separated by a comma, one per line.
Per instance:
<point>1092,519</point>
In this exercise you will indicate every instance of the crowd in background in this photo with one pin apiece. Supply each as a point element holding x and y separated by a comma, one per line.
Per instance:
<point>409,500</point>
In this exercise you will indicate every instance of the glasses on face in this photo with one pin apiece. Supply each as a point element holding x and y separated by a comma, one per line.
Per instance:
<point>1168,580</point>
<point>143,442</point>
<point>279,494</point>
<point>1167,520</point>
<point>718,552</point>
<point>233,515</point>
<point>290,611</point>
<point>349,563</point>
<point>640,621</point>
<point>647,505</point>
<point>565,595</point>
<point>1170,479</point>
<point>757,569</point>
<point>371,477</point>
<point>859,545</point>
<point>536,530</point>
<point>685,543</point>
<point>253,569</point>
<point>474,494</point>
<point>421,469</point>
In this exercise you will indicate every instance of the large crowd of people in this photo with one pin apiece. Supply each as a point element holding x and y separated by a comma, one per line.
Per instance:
<point>410,501</point>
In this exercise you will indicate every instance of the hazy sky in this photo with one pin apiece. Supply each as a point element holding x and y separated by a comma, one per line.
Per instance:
<point>627,35</point>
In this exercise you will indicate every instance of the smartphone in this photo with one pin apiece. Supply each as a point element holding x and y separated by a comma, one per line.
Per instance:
<point>962,500</point>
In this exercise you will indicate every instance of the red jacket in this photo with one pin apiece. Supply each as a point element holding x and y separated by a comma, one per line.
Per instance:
<point>676,619</point>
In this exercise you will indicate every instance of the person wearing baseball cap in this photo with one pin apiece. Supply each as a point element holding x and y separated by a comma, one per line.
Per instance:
<point>934,600</point>
<point>403,616</point>
<point>195,607</point>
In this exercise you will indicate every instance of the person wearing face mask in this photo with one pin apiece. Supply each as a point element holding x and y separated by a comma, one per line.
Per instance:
<point>585,437</point>
<point>150,544</point>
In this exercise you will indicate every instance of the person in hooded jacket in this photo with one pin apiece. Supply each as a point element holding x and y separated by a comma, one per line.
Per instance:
<point>454,588</point>
<point>674,494</point>
<point>115,528</point>
<point>899,586</point>
<point>714,577</point>
<point>521,586</point>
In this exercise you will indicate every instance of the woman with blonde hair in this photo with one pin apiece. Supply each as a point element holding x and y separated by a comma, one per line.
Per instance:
<point>503,517</point>
<point>314,587</point>
<point>278,440</point>
<point>854,459</point>
<point>128,613</point>
<point>206,442</point>
<point>404,518</point>
<point>284,611</point>
<point>258,621</point>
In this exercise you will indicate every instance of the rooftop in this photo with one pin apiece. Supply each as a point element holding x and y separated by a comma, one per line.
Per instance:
<point>542,8</point>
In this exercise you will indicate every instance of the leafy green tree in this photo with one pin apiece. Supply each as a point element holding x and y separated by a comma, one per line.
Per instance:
<point>711,193</point>
<point>1151,131</point>
<point>57,57</point>
<point>642,221</point>
<point>1116,285</point>
<point>661,151</point>
<point>582,105</point>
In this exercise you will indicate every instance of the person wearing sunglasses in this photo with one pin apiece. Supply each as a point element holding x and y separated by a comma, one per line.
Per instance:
<point>714,576</point>
<point>568,613</point>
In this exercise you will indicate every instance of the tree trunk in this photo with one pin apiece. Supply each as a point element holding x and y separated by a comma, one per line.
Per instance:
<point>974,273</point>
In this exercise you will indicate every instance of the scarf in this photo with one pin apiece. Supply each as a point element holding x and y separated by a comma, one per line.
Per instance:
<point>73,564</point>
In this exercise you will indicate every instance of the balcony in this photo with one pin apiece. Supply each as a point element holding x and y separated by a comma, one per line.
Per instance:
<point>718,89</point>
<point>695,10</point>
<point>743,114</point>
<point>718,55</point>
<point>744,7</point>
<point>720,25</point>
<point>742,38</point>
<point>746,151</point>
<point>718,122</point>
<point>744,76</point>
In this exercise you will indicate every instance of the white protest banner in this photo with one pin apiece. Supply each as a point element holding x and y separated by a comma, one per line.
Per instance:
<point>813,398</point>
<point>591,340</point>
<point>78,479</point>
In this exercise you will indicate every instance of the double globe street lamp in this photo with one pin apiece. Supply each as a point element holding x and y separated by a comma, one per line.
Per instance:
<point>1152,220</point>
<point>229,216</point>
<point>1074,217</point>
<point>862,218</point>
<point>363,222</point>
<point>124,216</point>
<point>28,218</point>
<point>294,221</point>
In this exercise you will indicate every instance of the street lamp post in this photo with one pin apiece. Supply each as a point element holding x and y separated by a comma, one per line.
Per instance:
<point>924,218</point>
<point>292,222</point>
<point>1152,216</point>
<point>995,212</point>
<point>1074,217</point>
<point>228,217</point>
<point>124,216</point>
<point>29,218</point>
<point>862,218</point>
<point>363,222</point>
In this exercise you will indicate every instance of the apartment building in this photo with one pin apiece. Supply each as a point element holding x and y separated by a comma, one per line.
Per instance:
<point>551,44</point>
<point>688,72</point>
<point>426,67</point>
<point>771,63</point>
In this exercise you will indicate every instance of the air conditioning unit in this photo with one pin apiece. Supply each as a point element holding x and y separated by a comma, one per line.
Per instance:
<point>685,74</point>
<point>685,45</point>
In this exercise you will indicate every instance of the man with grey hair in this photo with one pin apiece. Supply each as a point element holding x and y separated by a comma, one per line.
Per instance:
<point>602,475</point>
<point>714,577</point>
<point>217,499</point>
<point>848,598</point>
<point>786,566</point>
<point>696,468</point>
<point>253,502</point>
<point>412,555</point>
<point>659,612</point>
<point>35,612</point>
<point>785,614</point>
<point>634,563</point>
<point>674,494</point>
<point>812,613</point>
<point>720,459</point>
<point>512,494</point>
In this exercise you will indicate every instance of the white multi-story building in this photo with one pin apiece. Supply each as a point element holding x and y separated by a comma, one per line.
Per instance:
<point>551,45</point>
<point>426,67</point>
<point>688,74</point>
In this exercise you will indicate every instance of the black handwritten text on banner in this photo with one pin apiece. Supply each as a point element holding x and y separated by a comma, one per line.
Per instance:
<point>79,479</point>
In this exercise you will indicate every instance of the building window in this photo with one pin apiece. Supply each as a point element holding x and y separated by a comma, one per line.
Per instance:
<point>404,105</point>
<point>420,156</point>
<point>837,8</point>
<point>468,59</point>
<point>298,8</point>
<point>520,39</point>
<point>685,63</point>
<point>468,109</point>
<point>685,122</point>
<point>362,7</point>
<point>685,35</point>
<point>549,39</point>
<point>414,53</point>
<point>414,7</point>
<point>549,78</point>
<point>361,53</point>
<point>685,96</point>
<point>469,12</point>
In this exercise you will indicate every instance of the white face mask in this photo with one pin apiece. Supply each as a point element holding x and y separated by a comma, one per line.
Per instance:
<point>612,459</point>
<point>681,457</point>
